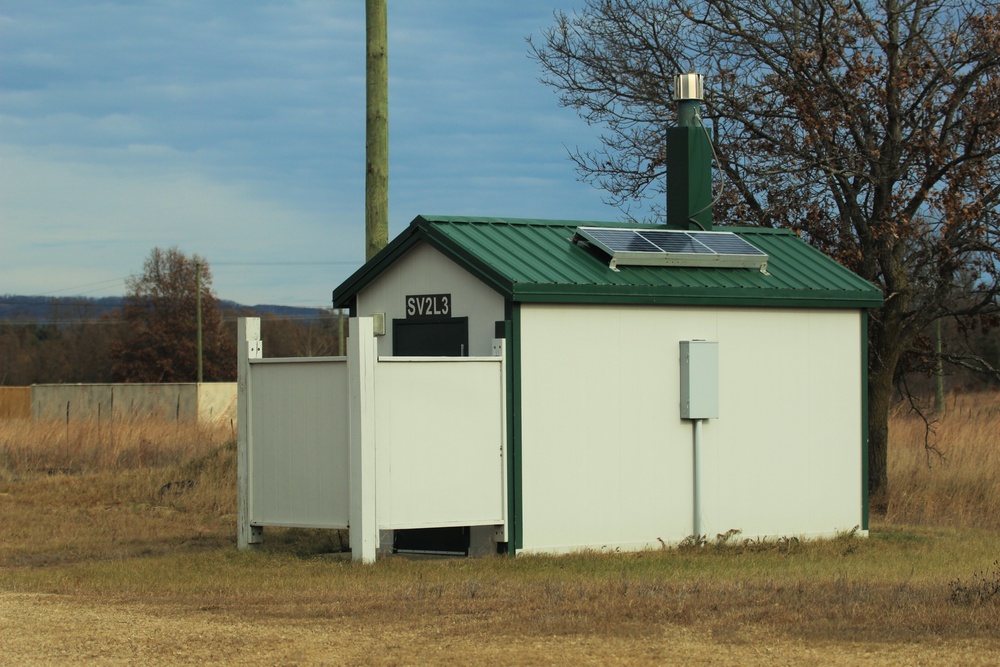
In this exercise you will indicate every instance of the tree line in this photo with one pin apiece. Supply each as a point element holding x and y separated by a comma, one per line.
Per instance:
<point>153,335</point>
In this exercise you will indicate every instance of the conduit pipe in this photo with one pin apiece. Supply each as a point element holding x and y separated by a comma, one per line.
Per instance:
<point>696,470</point>
<point>699,393</point>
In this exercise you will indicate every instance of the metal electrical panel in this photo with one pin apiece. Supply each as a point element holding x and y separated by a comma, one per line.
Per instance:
<point>699,379</point>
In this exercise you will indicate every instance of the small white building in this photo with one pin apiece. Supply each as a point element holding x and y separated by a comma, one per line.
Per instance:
<point>607,447</point>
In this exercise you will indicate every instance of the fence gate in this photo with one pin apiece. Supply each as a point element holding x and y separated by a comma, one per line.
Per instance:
<point>369,443</point>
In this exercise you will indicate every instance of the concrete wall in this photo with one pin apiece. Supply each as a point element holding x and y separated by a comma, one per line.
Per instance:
<point>15,402</point>
<point>216,400</point>
<point>607,460</point>
<point>174,401</point>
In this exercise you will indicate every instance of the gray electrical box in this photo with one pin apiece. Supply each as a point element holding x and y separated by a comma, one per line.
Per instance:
<point>699,379</point>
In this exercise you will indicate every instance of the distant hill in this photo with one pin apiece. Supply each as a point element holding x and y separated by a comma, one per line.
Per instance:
<point>48,310</point>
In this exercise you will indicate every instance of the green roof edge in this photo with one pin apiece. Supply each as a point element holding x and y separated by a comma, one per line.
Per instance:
<point>421,229</point>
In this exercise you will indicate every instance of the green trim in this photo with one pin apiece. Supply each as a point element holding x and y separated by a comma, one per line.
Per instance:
<point>864,420</point>
<point>515,506</point>
<point>693,296</point>
<point>345,292</point>
<point>505,330</point>
<point>419,230</point>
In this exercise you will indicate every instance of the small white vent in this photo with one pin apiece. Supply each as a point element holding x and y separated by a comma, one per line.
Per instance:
<point>689,87</point>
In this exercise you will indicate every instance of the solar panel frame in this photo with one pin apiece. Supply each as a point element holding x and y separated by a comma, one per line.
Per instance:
<point>673,247</point>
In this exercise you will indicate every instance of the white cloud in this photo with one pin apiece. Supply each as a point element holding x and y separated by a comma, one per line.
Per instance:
<point>236,130</point>
<point>73,222</point>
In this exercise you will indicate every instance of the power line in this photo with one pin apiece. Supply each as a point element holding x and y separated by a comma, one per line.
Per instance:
<point>79,291</point>
<point>67,289</point>
<point>103,322</point>
<point>316,263</point>
<point>61,301</point>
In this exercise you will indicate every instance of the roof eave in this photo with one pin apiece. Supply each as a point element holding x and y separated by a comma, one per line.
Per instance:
<point>701,296</point>
<point>344,293</point>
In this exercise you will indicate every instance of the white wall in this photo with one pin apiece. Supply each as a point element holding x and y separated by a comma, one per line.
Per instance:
<point>607,461</point>
<point>424,270</point>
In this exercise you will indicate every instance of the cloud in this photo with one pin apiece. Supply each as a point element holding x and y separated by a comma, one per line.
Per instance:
<point>79,223</point>
<point>237,131</point>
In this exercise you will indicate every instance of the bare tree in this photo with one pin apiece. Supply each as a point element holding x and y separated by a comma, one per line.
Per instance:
<point>160,343</point>
<point>872,127</point>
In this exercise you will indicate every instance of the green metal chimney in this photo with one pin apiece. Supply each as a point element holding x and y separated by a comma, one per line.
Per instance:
<point>689,159</point>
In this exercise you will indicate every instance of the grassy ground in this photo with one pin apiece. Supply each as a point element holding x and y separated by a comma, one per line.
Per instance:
<point>116,554</point>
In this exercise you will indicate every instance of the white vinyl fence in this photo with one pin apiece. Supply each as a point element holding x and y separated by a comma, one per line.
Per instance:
<point>369,443</point>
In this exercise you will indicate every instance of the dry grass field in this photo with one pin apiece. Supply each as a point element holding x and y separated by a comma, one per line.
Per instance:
<point>959,484</point>
<point>119,548</point>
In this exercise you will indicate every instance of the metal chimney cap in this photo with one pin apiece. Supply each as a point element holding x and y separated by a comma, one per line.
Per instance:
<point>689,87</point>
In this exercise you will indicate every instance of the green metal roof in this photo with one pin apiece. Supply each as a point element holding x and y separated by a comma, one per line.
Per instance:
<point>534,261</point>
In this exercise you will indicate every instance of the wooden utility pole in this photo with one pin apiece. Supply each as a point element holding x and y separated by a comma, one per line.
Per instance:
<point>197,282</point>
<point>377,129</point>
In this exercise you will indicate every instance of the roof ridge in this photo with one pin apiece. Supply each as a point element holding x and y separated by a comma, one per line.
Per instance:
<point>556,222</point>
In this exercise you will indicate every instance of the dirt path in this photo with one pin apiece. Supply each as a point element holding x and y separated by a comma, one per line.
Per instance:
<point>38,629</point>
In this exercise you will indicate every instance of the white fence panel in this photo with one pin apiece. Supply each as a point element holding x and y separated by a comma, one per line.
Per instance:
<point>299,443</point>
<point>371,443</point>
<point>441,439</point>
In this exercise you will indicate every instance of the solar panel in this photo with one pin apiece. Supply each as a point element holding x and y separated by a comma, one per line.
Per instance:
<point>726,243</point>
<point>623,242</point>
<point>672,247</point>
<point>674,242</point>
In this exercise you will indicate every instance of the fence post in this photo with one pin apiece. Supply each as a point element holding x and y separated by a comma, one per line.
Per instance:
<point>500,350</point>
<point>361,359</point>
<point>248,338</point>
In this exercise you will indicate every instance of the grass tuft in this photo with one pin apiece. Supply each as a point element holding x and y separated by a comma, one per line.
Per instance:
<point>982,588</point>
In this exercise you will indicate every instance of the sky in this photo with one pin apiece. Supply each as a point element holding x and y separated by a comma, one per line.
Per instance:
<point>235,130</point>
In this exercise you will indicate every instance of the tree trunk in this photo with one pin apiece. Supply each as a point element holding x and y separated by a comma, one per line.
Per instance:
<point>885,342</point>
<point>879,400</point>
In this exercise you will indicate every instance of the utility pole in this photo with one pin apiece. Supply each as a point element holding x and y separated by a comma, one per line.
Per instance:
<point>376,129</point>
<point>197,283</point>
